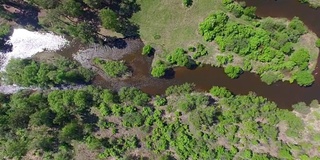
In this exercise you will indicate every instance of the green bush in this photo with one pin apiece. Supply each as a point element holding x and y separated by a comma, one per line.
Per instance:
<point>318,43</point>
<point>304,78</point>
<point>112,68</point>
<point>187,3</point>
<point>147,50</point>
<point>220,92</point>
<point>132,119</point>
<point>233,71</point>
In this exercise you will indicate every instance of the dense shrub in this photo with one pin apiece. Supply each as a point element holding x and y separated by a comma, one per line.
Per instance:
<point>112,68</point>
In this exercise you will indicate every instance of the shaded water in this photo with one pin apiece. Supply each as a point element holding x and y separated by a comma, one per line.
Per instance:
<point>283,93</point>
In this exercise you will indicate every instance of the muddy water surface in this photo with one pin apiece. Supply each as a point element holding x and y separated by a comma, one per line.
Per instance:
<point>283,93</point>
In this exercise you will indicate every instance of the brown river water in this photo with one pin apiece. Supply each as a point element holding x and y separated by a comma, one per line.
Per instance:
<point>283,93</point>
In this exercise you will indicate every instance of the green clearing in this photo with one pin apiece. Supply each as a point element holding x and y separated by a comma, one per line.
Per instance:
<point>176,24</point>
<point>168,25</point>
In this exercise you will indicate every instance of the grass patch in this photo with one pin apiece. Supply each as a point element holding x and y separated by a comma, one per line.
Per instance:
<point>176,25</point>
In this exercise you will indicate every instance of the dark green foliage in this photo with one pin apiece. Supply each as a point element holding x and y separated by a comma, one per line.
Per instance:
<point>112,68</point>
<point>132,119</point>
<point>133,95</point>
<point>93,3</point>
<point>82,31</point>
<point>201,51</point>
<point>116,147</point>
<point>15,148</point>
<point>147,50</point>
<point>203,117</point>
<point>70,132</point>
<point>26,72</point>
<point>180,89</point>
<point>187,3</point>
<point>301,107</point>
<point>304,78</point>
<point>233,71</point>
<point>72,8</point>
<point>4,30</point>
<point>160,101</point>
<point>93,142</point>
<point>179,58</point>
<point>109,19</point>
<point>46,4</point>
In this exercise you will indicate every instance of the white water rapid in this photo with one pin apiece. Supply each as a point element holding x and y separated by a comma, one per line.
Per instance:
<point>26,44</point>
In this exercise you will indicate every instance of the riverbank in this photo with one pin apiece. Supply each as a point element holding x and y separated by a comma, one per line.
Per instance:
<point>180,29</point>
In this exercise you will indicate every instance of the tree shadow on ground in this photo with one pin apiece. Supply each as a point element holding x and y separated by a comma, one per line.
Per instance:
<point>22,13</point>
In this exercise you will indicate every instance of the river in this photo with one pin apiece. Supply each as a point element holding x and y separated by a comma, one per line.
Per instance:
<point>283,93</point>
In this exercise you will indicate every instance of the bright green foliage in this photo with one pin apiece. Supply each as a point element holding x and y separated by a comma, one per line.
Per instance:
<point>178,57</point>
<point>318,43</point>
<point>304,78</point>
<point>223,60</point>
<point>160,101</point>
<point>220,92</point>
<point>301,58</point>
<point>233,71</point>
<point>147,50</point>
<point>26,72</point>
<point>201,51</point>
<point>31,121</point>
<point>133,95</point>
<point>109,19</point>
<point>287,48</point>
<point>187,3</point>
<point>263,44</point>
<point>112,68</point>
<point>159,69</point>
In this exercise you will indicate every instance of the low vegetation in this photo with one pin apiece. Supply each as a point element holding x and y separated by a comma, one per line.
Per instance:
<point>233,38</point>
<point>126,124</point>
<point>27,72</point>
<point>112,68</point>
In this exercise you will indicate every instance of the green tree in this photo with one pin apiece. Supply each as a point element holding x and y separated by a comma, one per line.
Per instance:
<point>109,19</point>
<point>132,119</point>
<point>304,78</point>
<point>233,71</point>
<point>147,50</point>
<point>72,8</point>
<point>71,131</point>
